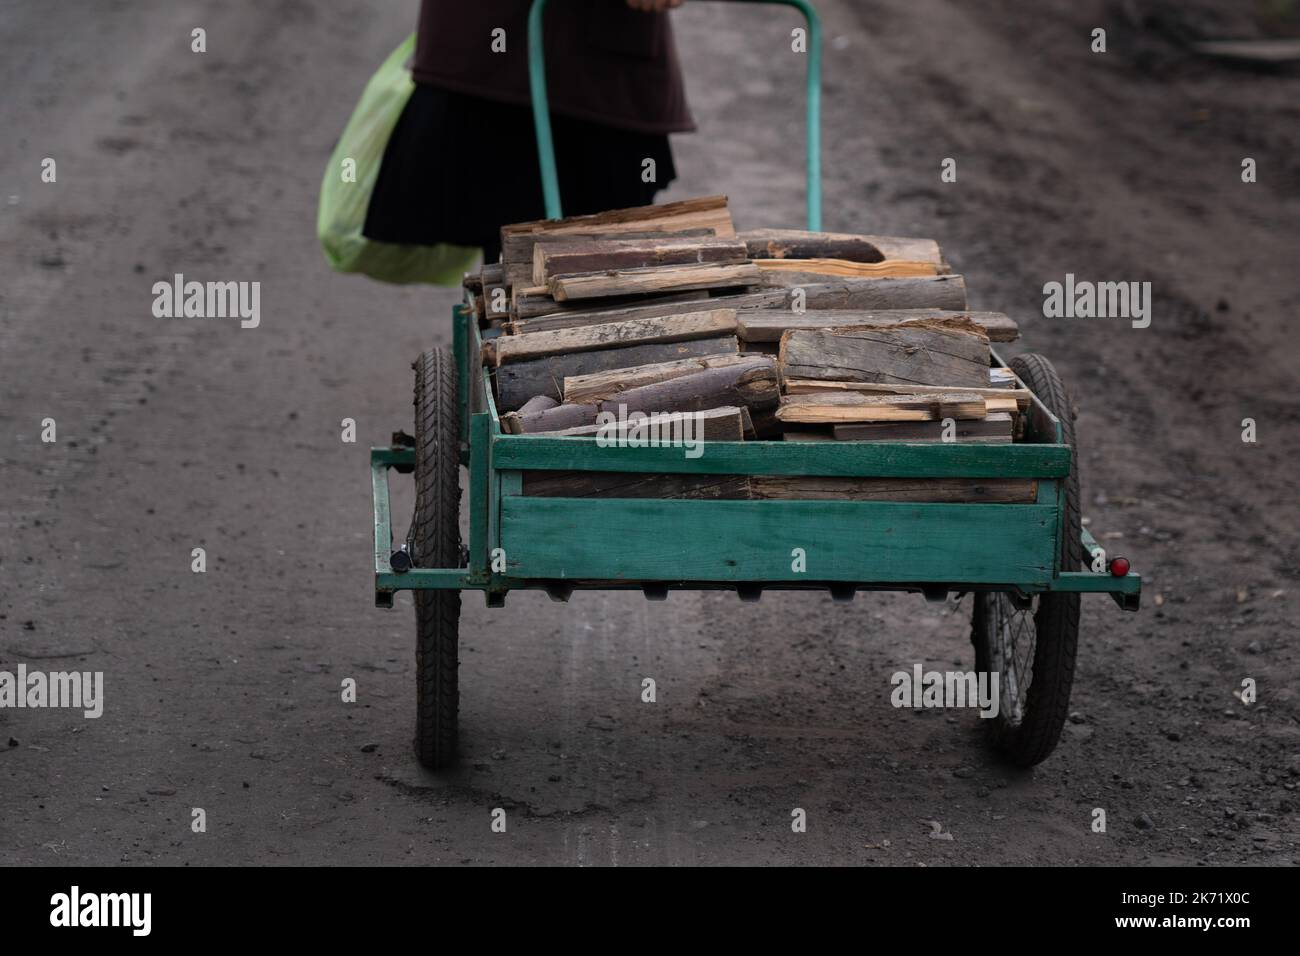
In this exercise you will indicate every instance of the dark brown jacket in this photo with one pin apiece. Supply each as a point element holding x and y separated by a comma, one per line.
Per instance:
<point>604,61</point>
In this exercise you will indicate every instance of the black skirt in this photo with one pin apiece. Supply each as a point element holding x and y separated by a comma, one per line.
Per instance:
<point>457,168</point>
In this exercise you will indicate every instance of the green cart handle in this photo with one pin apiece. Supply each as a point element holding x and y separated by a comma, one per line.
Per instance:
<point>542,112</point>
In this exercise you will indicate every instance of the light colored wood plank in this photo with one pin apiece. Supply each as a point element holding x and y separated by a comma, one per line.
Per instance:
<point>996,399</point>
<point>816,409</point>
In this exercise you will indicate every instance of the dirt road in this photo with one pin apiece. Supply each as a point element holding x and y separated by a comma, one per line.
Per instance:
<point>222,689</point>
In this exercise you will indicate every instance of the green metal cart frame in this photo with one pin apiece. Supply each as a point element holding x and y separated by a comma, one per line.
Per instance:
<point>656,545</point>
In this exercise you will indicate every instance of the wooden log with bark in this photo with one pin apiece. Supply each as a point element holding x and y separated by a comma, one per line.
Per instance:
<point>752,385</point>
<point>554,419</point>
<point>538,403</point>
<point>517,382</point>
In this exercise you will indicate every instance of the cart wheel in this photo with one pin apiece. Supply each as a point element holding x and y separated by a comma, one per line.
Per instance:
<point>1032,646</point>
<point>434,542</point>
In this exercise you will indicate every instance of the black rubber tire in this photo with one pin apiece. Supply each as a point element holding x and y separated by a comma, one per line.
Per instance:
<point>434,542</point>
<point>1030,738</point>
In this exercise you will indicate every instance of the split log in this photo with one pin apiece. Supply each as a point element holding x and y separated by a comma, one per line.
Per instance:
<point>830,409</point>
<point>1000,377</point>
<point>599,255</point>
<point>700,212</point>
<point>671,328</point>
<point>621,282</point>
<point>602,385</point>
<point>954,352</point>
<point>794,244</point>
<point>538,403</point>
<point>768,325</point>
<point>814,269</point>
<point>535,305</point>
<point>707,215</point>
<point>517,382</point>
<point>994,429</point>
<point>947,292</point>
<point>753,385</point>
<point>970,490</point>
<point>860,295</point>
<point>519,252</point>
<point>618,484</point>
<point>729,423</point>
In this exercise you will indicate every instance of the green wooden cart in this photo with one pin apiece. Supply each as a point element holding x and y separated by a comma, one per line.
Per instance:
<point>1026,565</point>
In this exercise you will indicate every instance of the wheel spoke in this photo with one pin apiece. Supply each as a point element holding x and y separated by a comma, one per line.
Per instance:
<point>1014,643</point>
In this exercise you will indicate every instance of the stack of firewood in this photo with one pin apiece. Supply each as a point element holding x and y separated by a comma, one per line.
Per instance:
<point>775,334</point>
<point>642,325</point>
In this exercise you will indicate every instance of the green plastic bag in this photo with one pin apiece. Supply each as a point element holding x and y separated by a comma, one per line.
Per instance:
<point>343,204</point>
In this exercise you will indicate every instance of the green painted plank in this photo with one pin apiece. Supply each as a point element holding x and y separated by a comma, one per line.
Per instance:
<point>683,540</point>
<point>872,459</point>
<point>479,425</point>
<point>427,579</point>
<point>1086,582</point>
<point>392,456</point>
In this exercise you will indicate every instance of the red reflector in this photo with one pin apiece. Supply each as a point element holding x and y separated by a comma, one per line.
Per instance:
<point>1119,567</point>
